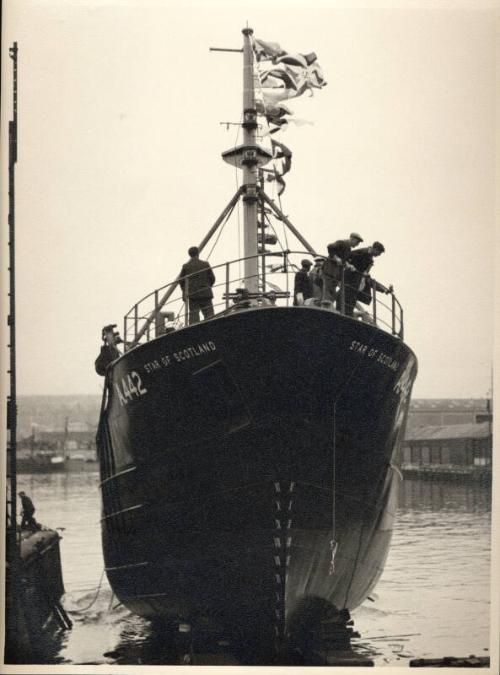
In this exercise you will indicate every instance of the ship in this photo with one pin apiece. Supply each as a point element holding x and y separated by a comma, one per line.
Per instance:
<point>247,460</point>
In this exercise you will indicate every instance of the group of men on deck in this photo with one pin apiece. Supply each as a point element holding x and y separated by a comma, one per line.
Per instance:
<point>341,278</point>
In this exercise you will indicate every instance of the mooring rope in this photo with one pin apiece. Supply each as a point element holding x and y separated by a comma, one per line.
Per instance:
<point>84,609</point>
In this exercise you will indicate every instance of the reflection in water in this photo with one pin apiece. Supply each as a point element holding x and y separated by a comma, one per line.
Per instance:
<point>418,495</point>
<point>434,593</point>
<point>142,642</point>
<point>432,600</point>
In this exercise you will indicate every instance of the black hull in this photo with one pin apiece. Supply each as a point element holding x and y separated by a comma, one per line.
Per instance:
<point>232,453</point>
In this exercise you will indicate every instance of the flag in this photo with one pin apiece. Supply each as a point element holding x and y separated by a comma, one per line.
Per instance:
<point>282,75</point>
<point>265,50</point>
<point>280,152</point>
<point>275,114</point>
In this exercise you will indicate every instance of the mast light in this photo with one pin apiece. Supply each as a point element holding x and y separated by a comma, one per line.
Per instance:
<point>247,155</point>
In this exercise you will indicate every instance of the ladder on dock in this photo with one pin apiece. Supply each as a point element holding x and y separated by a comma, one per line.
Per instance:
<point>13,540</point>
<point>14,587</point>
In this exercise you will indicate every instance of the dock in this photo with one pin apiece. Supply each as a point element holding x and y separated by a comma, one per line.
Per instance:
<point>34,587</point>
<point>452,662</point>
<point>454,474</point>
<point>459,452</point>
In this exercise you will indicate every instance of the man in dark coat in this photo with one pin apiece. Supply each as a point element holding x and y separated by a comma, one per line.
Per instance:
<point>316,275</point>
<point>303,287</point>
<point>360,261</point>
<point>197,287</point>
<point>338,255</point>
<point>342,247</point>
<point>27,522</point>
<point>109,351</point>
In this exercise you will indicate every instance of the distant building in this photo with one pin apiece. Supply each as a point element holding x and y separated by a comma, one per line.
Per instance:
<point>448,439</point>
<point>446,411</point>
<point>76,438</point>
<point>450,445</point>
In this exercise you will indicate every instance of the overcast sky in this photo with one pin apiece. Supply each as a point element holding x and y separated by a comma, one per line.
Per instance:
<point>119,167</point>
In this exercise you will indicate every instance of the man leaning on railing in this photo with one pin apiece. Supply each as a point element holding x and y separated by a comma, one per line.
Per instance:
<point>338,257</point>
<point>356,279</point>
<point>196,280</point>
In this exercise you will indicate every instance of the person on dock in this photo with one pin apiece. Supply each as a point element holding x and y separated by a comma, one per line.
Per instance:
<point>356,276</point>
<point>28,522</point>
<point>303,286</point>
<point>197,288</point>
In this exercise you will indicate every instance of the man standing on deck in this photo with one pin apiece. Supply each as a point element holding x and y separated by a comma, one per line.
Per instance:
<point>303,287</point>
<point>197,287</point>
<point>316,275</point>
<point>27,522</point>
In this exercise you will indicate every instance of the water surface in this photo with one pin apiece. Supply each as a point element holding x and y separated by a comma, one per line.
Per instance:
<point>432,600</point>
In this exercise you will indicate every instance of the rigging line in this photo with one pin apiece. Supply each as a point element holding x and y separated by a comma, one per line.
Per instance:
<point>284,226</point>
<point>221,228</point>
<point>220,232</point>
<point>274,230</point>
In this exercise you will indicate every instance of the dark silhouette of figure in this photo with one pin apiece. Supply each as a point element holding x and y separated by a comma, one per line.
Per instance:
<point>197,288</point>
<point>28,522</point>
<point>338,256</point>
<point>109,350</point>
<point>303,286</point>
<point>343,247</point>
<point>361,261</point>
<point>316,275</point>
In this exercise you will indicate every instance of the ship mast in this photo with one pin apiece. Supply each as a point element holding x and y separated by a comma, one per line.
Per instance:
<point>250,171</point>
<point>254,157</point>
<point>249,157</point>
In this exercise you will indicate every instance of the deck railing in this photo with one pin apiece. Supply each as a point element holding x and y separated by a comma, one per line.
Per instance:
<point>164,309</point>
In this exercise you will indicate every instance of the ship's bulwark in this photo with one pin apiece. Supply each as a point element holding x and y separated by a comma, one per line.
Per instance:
<point>242,446</point>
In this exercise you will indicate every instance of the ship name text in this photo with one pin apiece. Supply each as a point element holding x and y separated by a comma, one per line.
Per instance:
<point>130,387</point>
<point>374,354</point>
<point>180,355</point>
